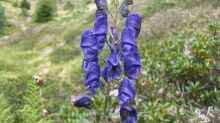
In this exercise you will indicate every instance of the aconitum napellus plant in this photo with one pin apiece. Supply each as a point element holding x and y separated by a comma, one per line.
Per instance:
<point>122,64</point>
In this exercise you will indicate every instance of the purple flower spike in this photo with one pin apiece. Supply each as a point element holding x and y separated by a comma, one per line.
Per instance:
<point>126,92</point>
<point>101,4</point>
<point>101,28</point>
<point>82,102</point>
<point>128,114</point>
<point>90,66</point>
<point>112,71</point>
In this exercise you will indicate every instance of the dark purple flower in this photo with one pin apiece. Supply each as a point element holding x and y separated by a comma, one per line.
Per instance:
<point>126,91</point>
<point>101,4</point>
<point>134,21</point>
<point>124,10</point>
<point>89,45</point>
<point>82,102</point>
<point>128,37</point>
<point>128,114</point>
<point>91,76</point>
<point>112,70</point>
<point>101,28</point>
<point>132,65</point>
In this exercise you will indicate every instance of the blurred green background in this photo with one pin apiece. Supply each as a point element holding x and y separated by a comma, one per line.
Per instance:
<point>179,45</point>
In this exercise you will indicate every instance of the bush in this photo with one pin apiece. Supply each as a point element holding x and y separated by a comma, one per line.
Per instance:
<point>25,5</point>
<point>45,10</point>
<point>2,18</point>
<point>6,115</point>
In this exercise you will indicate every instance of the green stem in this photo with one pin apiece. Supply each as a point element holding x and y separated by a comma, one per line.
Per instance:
<point>107,102</point>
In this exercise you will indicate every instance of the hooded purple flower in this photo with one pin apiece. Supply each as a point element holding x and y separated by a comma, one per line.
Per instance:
<point>101,28</point>
<point>128,114</point>
<point>126,95</point>
<point>91,76</point>
<point>89,45</point>
<point>101,4</point>
<point>82,102</point>
<point>112,70</point>
<point>134,23</point>
<point>126,91</point>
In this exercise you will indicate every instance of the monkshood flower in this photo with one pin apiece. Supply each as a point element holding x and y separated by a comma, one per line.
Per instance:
<point>128,114</point>
<point>126,92</point>
<point>89,45</point>
<point>134,21</point>
<point>91,76</point>
<point>101,4</point>
<point>112,70</point>
<point>82,101</point>
<point>100,28</point>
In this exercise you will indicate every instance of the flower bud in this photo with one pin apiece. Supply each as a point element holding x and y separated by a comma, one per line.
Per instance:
<point>124,10</point>
<point>130,2</point>
<point>81,101</point>
<point>101,4</point>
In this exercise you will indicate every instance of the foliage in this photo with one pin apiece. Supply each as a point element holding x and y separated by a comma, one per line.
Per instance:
<point>2,18</point>
<point>25,4</point>
<point>45,10</point>
<point>5,111</point>
<point>33,111</point>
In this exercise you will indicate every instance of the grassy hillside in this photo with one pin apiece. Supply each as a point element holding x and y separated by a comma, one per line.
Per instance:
<point>180,50</point>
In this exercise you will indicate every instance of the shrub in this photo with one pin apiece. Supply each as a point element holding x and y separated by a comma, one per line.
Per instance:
<point>45,10</point>
<point>2,17</point>
<point>25,5</point>
<point>5,111</point>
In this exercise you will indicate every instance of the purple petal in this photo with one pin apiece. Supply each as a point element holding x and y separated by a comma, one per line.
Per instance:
<point>88,40</point>
<point>100,28</point>
<point>82,102</point>
<point>134,21</point>
<point>126,91</point>
<point>128,114</point>
<point>91,76</point>
<point>128,36</point>
<point>101,4</point>
<point>112,70</point>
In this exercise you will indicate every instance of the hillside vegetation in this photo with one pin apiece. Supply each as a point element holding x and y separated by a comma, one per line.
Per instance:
<point>180,51</point>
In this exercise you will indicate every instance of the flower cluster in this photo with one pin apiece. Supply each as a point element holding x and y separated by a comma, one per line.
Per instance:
<point>122,51</point>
